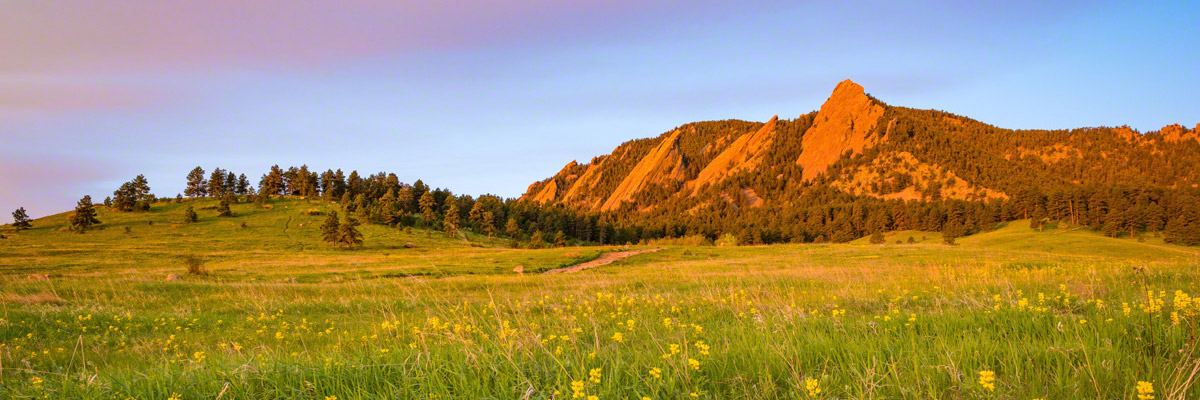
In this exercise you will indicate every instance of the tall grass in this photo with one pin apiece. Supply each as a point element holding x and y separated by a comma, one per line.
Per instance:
<point>779,322</point>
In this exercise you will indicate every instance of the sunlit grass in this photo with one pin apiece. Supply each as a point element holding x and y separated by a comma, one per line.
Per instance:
<point>791,322</point>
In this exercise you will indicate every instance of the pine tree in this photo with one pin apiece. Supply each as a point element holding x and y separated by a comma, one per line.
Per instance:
<point>133,195</point>
<point>330,229</point>
<point>348,234</point>
<point>216,183</point>
<point>223,209</point>
<point>511,229</point>
<point>243,185</point>
<point>197,186</point>
<point>326,183</point>
<point>450,223</point>
<point>141,190</point>
<point>354,184</point>
<point>272,182</point>
<point>476,214</point>
<point>877,237</point>
<point>428,202</point>
<point>535,240</point>
<point>560,239</point>
<point>489,223</point>
<point>189,215</point>
<point>21,219</point>
<point>951,231</point>
<point>360,204</point>
<point>84,216</point>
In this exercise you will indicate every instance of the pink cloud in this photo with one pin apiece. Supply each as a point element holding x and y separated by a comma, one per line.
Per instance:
<point>69,46</point>
<point>24,100</point>
<point>140,35</point>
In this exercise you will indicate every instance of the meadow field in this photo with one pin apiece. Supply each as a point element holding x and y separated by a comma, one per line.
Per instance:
<point>1009,314</point>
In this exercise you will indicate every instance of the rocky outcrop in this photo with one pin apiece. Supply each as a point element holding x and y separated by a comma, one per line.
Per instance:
<point>661,164</point>
<point>586,182</point>
<point>745,153</point>
<point>844,124</point>
<point>1178,133</point>
<point>547,193</point>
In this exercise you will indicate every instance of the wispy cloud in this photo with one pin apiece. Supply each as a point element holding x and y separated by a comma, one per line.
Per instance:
<point>139,35</point>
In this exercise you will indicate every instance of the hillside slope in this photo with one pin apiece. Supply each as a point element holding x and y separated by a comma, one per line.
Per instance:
<point>282,238</point>
<point>710,177</point>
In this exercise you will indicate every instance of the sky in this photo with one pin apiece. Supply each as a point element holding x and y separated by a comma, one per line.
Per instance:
<point>490,96</point>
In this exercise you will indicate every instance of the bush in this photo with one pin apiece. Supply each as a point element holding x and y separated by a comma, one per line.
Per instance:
<point>693,240</point>
<point>223,209</point>
<point>727,240</point>
<point>194,265</point>
<point>189,215</point>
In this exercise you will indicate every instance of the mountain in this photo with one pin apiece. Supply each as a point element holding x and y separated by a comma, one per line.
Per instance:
<point>710,177</point>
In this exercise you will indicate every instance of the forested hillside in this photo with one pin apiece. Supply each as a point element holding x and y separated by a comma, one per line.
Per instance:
<point>859,166</point>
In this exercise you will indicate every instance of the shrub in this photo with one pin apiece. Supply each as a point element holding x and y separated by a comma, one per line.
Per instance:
<point>727,240</point>
<point>692,240</point>
<point>194,265</point>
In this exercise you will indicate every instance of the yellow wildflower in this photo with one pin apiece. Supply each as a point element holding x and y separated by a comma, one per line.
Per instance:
<point>813,387</point>
<point>594,375</point>
<point>618,337</point>
<point>987,379</point>
<point>1145,390</point>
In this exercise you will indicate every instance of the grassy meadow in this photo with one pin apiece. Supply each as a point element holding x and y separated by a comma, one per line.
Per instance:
<point>1009,314</point>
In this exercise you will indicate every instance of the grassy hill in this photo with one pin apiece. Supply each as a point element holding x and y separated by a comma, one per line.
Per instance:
<point>1053,240</point>
<point>283,238</point>
<point>1054,314</point>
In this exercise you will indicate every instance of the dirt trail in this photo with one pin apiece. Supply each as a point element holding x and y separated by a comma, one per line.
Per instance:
<point>604,259</point>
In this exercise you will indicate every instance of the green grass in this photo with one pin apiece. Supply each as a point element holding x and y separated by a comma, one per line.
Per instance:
<point>1045,311</point>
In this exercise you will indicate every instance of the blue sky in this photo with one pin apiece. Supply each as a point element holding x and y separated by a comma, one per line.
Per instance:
<point>487,97</point>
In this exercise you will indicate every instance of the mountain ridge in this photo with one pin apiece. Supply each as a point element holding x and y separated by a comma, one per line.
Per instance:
<point>848,123</point>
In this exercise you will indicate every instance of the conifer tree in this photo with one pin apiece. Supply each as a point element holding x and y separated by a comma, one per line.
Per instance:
<point>951,231</point>
<point>330,231</point>
<point>216,183</point>
<point>223,209</point>
<point>348,234</point>
<point>535,240</point>
<point>360,204</point>
<point>560,239</point>
<point>512,229</point>
<point>84,216</point>
<point>243,185</point>
<point>476,214</point>
<point>450,222</point>
<point>230,183</point>
<point>21,219</point>
<point>197,186</point>
<point>428,202</point>
<point>877,237</point>
<point>489,223</point>
<point>133,195</point>
<point>354,184</point>
<point>272,182</point>
<point>189,215</point>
